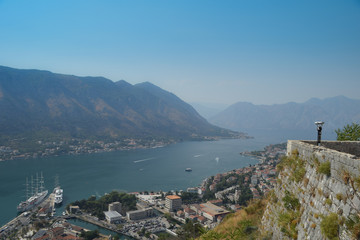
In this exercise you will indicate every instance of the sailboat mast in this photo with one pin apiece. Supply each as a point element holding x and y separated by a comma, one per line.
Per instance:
<point>41,183</point>
<point>27,188</point>
<point>37,184</point>
<point>32,186</point>
<point>57,184</point>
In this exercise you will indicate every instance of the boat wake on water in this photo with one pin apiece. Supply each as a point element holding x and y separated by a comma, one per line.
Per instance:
<point>196,156</point>
<point>143,160</point>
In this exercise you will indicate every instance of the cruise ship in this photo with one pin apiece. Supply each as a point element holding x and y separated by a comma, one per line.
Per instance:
<point>38,194</point>
<point>58,196</point>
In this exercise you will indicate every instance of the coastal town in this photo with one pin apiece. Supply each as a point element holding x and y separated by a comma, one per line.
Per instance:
<point>152,215</point>
<point>39,149</point>
<point>78,146</point>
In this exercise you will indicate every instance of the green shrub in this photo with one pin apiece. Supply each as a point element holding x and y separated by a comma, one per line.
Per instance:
<point>288,221</point>
<point>290,201</point>
<point>353,225</point>
<point>328,201</point>
<point>330,226</point>
<point>295,165</point>
<point>272,197</point>
<point>339,196</point>
<point>325,168</point>
<point>357,183</point>
<point>299,173</point>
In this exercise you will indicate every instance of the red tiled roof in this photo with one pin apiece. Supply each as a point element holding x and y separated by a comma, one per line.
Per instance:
<point>172,197</point>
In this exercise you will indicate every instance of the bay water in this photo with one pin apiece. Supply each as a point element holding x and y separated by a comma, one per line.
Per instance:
<point>131,171</point>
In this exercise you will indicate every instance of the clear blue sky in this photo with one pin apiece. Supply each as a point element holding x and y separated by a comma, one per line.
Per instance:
<point>258,51</point>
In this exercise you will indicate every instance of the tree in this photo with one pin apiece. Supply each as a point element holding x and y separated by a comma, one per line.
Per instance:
<point>191,230</point>
<point>89,235</point>
<point>349,133</point>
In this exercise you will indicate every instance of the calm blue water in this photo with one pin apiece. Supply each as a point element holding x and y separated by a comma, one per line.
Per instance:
<point>138,170</point>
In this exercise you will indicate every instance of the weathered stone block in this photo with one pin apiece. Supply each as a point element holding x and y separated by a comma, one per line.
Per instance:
<point>346,209</point>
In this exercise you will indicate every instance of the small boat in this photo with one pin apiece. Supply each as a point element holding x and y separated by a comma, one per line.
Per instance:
<point>188,169</point>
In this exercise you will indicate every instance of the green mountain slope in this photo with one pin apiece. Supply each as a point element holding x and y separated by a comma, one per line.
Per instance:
<point>42,104</point>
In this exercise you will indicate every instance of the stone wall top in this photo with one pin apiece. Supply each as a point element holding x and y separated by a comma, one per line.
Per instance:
<point>341,161</point>
<point>350,147</point>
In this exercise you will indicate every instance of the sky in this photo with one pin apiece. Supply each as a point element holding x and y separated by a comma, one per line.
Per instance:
<point>204,51</point>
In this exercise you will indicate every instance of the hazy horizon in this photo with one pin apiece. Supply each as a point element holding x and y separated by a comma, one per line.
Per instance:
<point>203,51</point>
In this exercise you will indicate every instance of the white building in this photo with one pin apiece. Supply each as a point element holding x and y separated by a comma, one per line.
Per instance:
<point>113,217</point>
<point>140,214</point>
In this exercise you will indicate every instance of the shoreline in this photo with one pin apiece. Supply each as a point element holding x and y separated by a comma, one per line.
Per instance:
<point>87,147</point>
<point>269,151</point>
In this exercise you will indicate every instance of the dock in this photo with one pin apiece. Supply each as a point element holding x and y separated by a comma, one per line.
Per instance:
<point>51,200</point>
<point>24,218</point>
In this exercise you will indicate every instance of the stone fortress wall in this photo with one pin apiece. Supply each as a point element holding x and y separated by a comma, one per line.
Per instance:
<point>343,155</point>
<point>319,195</point>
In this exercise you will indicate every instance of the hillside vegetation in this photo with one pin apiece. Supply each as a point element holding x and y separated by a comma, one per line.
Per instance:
<point>244,224</point>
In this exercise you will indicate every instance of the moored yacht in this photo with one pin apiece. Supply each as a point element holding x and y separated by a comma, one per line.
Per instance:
<point>58,195</point>
<point>58,192</point>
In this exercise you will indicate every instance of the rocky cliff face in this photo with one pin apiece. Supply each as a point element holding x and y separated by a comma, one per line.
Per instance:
<point>317,194</point>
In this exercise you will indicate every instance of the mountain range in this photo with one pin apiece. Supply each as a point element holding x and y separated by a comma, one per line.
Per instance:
<point>336,112</point>
<point>40,104</point>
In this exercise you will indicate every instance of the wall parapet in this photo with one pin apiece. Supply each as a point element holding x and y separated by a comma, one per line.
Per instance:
<point>351,147</point>
<point>342,155</point>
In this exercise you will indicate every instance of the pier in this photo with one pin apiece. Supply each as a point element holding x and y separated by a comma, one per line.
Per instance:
<point>24,218</point>
<point>51,201</point>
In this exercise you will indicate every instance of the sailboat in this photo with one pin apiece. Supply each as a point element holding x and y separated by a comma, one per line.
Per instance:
<point>37,195</point>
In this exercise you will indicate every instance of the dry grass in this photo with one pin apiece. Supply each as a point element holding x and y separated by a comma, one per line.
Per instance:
<point>241,224</point>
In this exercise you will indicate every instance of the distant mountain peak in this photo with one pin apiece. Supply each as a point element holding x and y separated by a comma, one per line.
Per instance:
<point>149,85</point>
<point>146,83</point>
<point>123,83</point>
<point>335,112</point>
